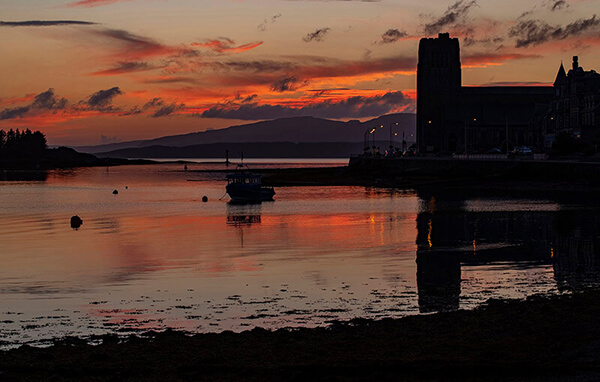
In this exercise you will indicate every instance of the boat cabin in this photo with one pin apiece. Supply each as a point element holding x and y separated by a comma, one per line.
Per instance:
<point>244,178</point>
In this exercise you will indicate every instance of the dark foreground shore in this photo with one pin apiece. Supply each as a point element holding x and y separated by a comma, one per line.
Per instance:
<point>544,338</point>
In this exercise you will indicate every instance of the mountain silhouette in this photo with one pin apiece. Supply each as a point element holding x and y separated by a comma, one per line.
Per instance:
<point>293,130</point>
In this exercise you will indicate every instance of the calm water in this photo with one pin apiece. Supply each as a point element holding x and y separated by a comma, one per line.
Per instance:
<point>155,256</point>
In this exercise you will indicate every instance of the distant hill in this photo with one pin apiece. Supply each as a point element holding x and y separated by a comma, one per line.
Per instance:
<point>250,150</point>
<point>294,130</point>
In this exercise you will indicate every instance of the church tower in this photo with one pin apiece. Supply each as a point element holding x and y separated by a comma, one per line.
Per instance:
<point>438,88</point>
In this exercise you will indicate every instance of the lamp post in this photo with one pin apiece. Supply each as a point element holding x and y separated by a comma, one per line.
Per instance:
<point>391,145</point>
<point>373,132</point>
<point>466,145</point>
<point>366,139</point>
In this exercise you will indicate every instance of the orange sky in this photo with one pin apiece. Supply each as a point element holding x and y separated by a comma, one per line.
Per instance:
<point>99,71</point>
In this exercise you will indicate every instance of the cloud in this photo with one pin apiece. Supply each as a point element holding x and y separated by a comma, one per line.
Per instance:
<point>48,100</point>
<point>557,5</point>
<point>392,35</point>
<point>99,102</point>
<point>102,99</point>
<point>287,84</point>
<point>44,101</point>
<point>92,3</point>
<point>353,107</point>
<point>455,13</point>
<point>43,23</point>
<point>304,69</point>
<point>160,107</point>
<point>168,110</point>
<point>170,80</point>
<point>263,26</point>
<point>155,102</point>
<point>318,35</point>
<point>263,66</point>
<point>124,67</point>
<point>535,32</point>
<point>16,112</point>
<point>226,45</point>
<point>488,41</point>
<point>132,47</point>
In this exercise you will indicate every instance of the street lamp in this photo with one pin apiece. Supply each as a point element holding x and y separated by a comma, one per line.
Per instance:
<point>391,145</point>
<point>466,145</point>
<point>373,132</point>
<point>366,141</point>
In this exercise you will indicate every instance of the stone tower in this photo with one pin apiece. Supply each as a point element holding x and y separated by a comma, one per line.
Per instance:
<point>438,89</point>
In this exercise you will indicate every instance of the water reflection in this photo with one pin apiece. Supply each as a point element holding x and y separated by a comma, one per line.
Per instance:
<point>23,175</point>
<point>243,214</point>
<point>452,234</point>
<point>154,256</point>
<point>576,250</point>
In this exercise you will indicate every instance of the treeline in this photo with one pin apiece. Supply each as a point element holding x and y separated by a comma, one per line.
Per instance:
<point>20,145</point>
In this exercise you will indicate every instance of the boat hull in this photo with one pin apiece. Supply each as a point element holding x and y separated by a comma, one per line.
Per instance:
<point>244,193</point>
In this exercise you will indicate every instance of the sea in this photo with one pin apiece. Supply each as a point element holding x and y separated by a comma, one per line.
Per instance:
<point>154,256</point>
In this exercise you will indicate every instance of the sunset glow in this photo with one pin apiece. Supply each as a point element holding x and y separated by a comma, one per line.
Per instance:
<point>138,69</point>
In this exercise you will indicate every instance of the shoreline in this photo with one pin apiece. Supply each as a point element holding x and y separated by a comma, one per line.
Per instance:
<point>541,338</point>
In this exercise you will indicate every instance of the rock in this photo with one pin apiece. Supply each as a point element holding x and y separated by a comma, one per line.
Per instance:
<point>76,221</point>
<point>205,199</point>
<point>115,192</point>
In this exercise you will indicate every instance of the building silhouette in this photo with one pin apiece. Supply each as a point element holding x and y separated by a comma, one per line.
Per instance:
<point>454,118</point>
<point>575,109</point>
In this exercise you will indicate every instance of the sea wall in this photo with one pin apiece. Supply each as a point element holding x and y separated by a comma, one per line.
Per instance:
<point>527,169</point>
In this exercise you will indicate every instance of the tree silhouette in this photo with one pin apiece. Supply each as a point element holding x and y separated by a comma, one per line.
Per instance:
<point>22,145</point>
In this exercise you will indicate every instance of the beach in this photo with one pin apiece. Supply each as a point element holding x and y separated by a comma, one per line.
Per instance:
<point>540,338</point>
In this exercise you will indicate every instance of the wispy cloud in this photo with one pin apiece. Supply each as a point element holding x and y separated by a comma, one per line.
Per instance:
<point>123,68</point>
<point>160,108</point>
<point>557,5</point>
<point>391,36</point>
<point>288,84</point>
<point>454,14</point>
<point>43,23</point>
<point>318,35</point>
<point>131,47</point>
<point>226,45</point>
<point>535,32</point>
<point>263,26</point>
<point>352,107</point>
<point>293,72</point>
<point>93,3</point>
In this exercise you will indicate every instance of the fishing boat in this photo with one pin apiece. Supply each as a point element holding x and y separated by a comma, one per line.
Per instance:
<point>245,187</point>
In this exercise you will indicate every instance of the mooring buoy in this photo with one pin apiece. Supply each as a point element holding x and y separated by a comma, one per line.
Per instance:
<point>76,221</point>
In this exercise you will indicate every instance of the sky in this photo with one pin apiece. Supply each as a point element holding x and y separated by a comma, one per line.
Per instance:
<point>88,72</point>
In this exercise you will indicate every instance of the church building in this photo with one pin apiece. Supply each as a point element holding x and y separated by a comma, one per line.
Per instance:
<point>454,118</point>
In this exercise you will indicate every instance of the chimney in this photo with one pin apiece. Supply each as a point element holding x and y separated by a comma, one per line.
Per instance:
<point>575,62</point>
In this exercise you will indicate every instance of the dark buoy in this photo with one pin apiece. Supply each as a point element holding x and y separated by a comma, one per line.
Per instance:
<point>204,199</point>
<point>126,187</point>
<point>76,222</point>
<point>115,192</point>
